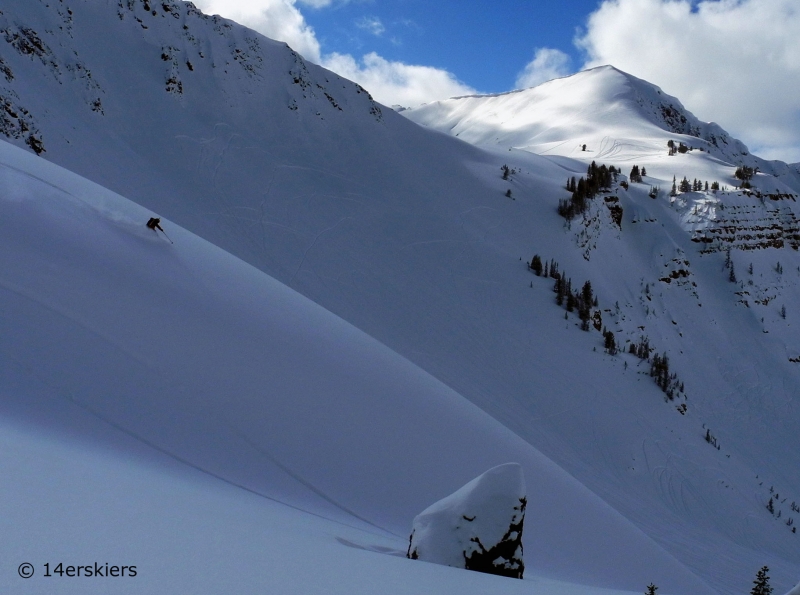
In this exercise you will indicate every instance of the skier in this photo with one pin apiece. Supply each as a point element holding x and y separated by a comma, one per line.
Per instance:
<point>154,224</point>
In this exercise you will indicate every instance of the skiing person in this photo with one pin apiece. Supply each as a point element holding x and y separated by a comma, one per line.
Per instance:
<point>154,224</point>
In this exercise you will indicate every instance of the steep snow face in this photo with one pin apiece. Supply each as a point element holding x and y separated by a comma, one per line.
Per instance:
<point>182,357</point>
<point>415,238</point>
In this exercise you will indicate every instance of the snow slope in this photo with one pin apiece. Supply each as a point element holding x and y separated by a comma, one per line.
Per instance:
<point>406,234</point>
<point>178,359</point>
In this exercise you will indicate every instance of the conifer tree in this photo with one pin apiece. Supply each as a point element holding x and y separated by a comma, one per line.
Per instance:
<point>586,293</point>
<point>554,268</point>
<point>651,589</point>
<point>570,302</point>
<point>610,343</point>
<point>560,289</point>
<point>761,585</point>
<point>536,265</point>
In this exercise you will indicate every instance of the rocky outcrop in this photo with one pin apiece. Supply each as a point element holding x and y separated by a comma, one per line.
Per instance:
<point>479,527</point>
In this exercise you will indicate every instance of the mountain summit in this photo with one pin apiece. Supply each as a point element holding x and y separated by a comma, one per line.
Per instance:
<point>613,113</point>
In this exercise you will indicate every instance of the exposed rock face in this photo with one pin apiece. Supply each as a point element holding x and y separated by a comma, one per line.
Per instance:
<point>479,527</point>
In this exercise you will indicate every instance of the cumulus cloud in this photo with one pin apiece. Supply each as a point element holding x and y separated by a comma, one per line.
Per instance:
<point>395,82</point>
<point>277,19</point>
<point>736,62</point>
<point>371,25</point>
<point>547,64</point>
<point>389,82</point>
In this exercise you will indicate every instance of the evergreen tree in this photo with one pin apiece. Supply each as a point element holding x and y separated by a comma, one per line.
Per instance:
<point>761,585</point>
<point>554,269</point>
<point>571,302</point>
<point>642,348</point>
<point>609,343</point>
<point>744,173</point>
<point>560,289</point>
<point>674,191</point>
<point>586,293</point>
<point>644,171</point>
<point>536,265</point>
<point>651,589</point>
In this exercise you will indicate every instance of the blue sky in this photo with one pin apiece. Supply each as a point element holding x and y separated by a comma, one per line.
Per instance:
<point>485,44</point>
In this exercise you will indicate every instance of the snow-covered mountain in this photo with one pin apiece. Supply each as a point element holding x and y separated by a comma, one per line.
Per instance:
<point>438,353</point>
<point>615,114</point>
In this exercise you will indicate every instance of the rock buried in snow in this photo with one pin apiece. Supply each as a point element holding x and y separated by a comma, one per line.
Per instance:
<point>479,527</point>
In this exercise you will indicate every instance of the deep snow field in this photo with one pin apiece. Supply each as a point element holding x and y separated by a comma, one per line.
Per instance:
<point>170,407</point>
<point>341,327</point>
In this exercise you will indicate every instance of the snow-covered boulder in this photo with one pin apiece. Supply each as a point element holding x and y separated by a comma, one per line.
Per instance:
<point>479,527</point>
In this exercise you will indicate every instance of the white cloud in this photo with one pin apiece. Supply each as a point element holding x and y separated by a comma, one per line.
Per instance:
<point>277,19</point>
<point>547,64</point>
<point>388,82</point>
<point>395,82</point>
<point>371,24</point>
<point>733,61</point>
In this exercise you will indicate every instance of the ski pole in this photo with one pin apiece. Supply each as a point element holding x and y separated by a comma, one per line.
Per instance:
<point>166,236</point>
